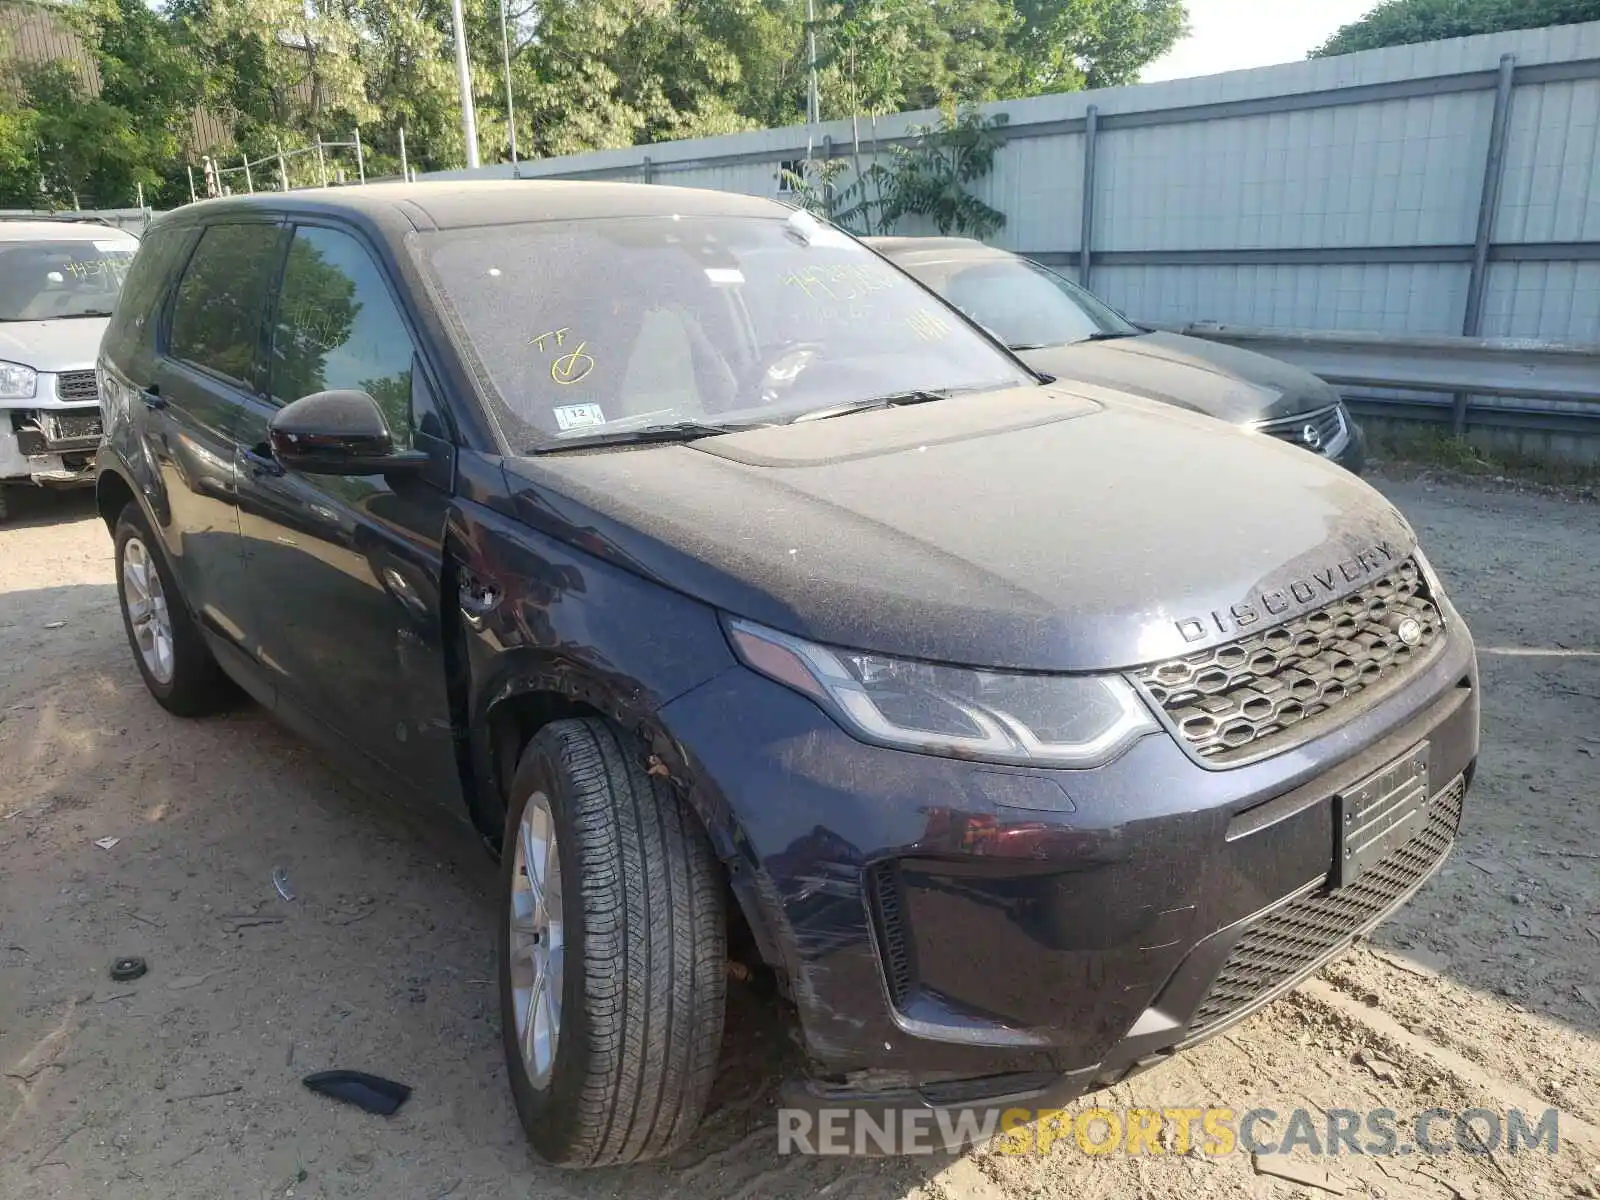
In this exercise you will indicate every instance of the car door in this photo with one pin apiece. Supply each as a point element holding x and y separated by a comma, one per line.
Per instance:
<point>345,570</point>
<point>207,364</point>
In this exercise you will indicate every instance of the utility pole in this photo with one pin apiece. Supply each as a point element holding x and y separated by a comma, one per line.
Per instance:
<point>192,196</point>
<point>511,112</point>
<point>813,98</point>
<point>405,171</point>
<point>283,170</point>
<point>322,162</point>
<point>361,162</point>
<point>469,118</point>
<point>248,186</point>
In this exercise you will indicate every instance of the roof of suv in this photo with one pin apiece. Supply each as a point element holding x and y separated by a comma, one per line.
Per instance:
<point>458,204</point>
<point>59,231</point>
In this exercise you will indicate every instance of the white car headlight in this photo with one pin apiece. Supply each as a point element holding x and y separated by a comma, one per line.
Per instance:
<point>959,712</point>
<point>17,382</point>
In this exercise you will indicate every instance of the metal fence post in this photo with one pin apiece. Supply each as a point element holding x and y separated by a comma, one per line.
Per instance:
<point>405,172</point>
<point>1488,209</point>
<point>361,162</point>
<point>192,196</point>
<point>248,186</point>
<point>1091,133</point>
<point>649,170</point>
<point>322,163</point>
<point>283,170</point>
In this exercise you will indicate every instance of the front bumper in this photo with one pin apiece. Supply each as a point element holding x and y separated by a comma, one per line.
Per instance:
<point>52,445</point>
<point>955,933</point>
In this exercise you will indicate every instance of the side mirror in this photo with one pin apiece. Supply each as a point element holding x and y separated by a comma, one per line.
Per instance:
<point>337,433</point>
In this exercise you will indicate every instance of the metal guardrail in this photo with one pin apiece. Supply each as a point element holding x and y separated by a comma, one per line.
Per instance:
<point>1510,369</point>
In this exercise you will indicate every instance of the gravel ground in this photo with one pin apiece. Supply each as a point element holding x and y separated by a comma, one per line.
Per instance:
<point>1484,991</point>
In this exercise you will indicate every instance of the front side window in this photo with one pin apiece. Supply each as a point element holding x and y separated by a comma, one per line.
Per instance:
<point>630,322</point>
<point>217,311</point>
<point>1025,305</point>
<point>55,280</point>
<point>337,327</point>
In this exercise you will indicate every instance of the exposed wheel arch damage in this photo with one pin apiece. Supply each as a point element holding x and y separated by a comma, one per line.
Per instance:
<point>112,493</point>
<point>512,721</point>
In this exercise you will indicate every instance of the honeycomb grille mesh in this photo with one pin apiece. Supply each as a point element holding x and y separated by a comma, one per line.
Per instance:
<point>1228,701</point>
<point>1292,941</point>
<point>72,427</point>
<point>78,386</point>
<point>883,890</point>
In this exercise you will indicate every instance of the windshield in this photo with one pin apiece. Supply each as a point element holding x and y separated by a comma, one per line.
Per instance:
<point>1022,303</point>
<point>45,281</point>
<point>594,325</point>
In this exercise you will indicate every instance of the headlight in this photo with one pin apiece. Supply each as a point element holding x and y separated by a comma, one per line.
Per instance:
<point>17,382</point>
<point>992,716</point>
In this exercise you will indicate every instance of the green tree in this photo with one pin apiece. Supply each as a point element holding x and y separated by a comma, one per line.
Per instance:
<point>1068,44</point>
<point>1401,22</point>
<point>19,172</point>
<point>89,152</point>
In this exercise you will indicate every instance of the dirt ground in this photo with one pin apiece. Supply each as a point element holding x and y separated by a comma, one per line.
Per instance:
<point>1484,991</point>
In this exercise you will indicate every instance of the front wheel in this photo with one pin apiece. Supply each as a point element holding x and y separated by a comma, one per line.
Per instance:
<point>612,952</point>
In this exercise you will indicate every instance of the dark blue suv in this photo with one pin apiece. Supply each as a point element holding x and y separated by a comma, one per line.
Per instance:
<point>747,599</point>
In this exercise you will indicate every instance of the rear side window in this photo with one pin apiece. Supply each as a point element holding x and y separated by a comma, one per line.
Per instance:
<point>217,313</point>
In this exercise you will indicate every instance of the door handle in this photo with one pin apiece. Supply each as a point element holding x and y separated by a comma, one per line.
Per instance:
<point>262,464</point>
<point>152,397</point>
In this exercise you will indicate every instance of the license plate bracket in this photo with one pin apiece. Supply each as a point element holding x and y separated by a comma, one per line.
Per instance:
<point>1379,813</point>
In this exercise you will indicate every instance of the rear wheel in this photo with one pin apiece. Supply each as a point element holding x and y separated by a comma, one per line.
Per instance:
<point>167,646</point>
<point>612,952</point>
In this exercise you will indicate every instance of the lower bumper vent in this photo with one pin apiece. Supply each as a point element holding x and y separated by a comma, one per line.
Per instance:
<point>885,899</point>
<point>1290,942</point>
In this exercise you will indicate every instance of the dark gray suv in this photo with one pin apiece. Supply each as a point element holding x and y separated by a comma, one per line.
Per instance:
<point>749,602</point>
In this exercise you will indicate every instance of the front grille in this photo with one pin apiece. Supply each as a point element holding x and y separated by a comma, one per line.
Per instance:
<point>1316,431</point>
<point>888,914</point>
<point>1245,699</point>
<point>78,387</point>
<point>1290,942</point>
<point>71,427</point>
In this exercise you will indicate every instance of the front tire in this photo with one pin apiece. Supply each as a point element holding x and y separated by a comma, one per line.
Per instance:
<point>613,952</point>
<point>167,647</point>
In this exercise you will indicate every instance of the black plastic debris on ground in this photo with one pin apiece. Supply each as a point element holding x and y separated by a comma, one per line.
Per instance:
<point>368,1092</point>
<point>127,969</point>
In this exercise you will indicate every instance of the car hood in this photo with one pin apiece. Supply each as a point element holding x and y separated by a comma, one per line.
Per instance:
<point>1034,528</point>
<point>1208,377</point>
<point>71,344</point>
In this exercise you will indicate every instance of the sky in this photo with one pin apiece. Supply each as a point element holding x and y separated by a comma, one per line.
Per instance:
<point>1229,35</point>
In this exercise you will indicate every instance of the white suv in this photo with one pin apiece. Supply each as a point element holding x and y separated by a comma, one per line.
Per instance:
<point>58,283</point>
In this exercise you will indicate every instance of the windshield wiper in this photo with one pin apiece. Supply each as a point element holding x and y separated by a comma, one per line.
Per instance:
<point>893,400</point>
<point>1111,335</point>
<point>674,431</point>
<point>93,312</point>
